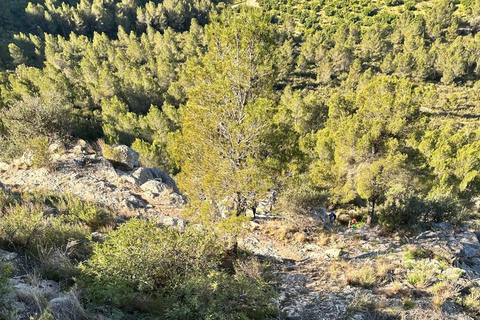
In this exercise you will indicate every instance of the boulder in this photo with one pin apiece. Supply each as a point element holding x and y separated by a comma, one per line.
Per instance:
<point>156,187</point>
<point>169,221</point>
<point>142,175</point>
<point>67,307</point>
<point>7,256</point>
<point>29,291</point>
<point>4,166</point>
<point>123,156</point>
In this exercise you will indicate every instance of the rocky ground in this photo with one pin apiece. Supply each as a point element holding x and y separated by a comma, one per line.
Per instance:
<point>321,271</point>
<point>331,272</point>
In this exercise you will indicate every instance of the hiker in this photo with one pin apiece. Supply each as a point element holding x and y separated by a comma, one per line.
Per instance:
<point>353,224</point>
<point>332,217</point>
<point>254,204</point>
<point>272,199</point>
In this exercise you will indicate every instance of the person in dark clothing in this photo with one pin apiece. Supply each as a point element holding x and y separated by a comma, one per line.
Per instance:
<point>332,216</point>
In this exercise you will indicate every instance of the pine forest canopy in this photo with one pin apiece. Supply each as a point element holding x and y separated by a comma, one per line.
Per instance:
<point>342,102</point>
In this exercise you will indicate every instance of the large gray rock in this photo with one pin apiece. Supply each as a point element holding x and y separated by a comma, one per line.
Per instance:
<point>124,155</point>
<point>142,175</point>
<point>28,290</point>
<point>7,256</point>
<point>156,187</point>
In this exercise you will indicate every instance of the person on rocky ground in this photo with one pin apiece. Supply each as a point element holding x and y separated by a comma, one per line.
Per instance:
<point>353,224</point>
<point>332,217</point>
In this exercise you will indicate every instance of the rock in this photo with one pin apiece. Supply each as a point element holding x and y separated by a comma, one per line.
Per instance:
<point>143,175</point>
<point>156,187</point>
<point>177,199</point>
<point>78,150</point>
<point>254,226</point>
<point>333,253</point>
<point>169,221</point>
<point>27,157</point>
<point>319,213</point>
<point>29,291</point>
<point>99,237</point>
<point>7,256</point>
<point>67,307</point>
<point>4,166</point>
<point>124,155</point>
<point>55,147</point>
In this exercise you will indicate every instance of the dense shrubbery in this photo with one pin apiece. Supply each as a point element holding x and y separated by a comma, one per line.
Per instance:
<point>167,273</point>
<point>40,223</point>
<point>412,211</point>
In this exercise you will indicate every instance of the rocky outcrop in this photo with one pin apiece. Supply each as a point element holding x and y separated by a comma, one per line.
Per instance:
<point>461,248</point>
<point>94,178</point>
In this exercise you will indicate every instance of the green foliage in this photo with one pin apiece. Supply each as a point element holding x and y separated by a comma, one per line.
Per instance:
<point>363,150</point>
<point>5,272</point>
<point>227,114</point>
<point>178,272</point>
<point>408,212</point>
<point>471,301</point>
<point>40,223</point>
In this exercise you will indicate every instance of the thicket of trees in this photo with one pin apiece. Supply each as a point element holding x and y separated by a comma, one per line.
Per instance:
<point>334,101</point>
<point>352,104</point>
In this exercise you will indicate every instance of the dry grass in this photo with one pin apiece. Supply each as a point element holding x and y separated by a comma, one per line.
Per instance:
<point>363,275</point>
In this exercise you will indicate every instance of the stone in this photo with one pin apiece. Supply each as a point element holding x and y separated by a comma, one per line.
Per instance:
<point>7,256</point>
<point>99,237</point>
<point>169,221</point>
<point>125,155</point>
<point>4,166</point>
<point>177,199</point>
<point>156,187</point>
<point>142,175</point>
<point>28,290</point>
<point>27,157</point>
<point>67,307</point>
<point>333,253</point>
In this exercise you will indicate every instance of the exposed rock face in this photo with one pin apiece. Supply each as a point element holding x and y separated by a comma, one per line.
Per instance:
<point>94,178</point>
<point>462,248</point>
<point>156,187</point>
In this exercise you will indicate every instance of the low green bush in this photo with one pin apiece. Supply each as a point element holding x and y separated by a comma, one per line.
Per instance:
<point>408,212</point>
<point>171,274</point>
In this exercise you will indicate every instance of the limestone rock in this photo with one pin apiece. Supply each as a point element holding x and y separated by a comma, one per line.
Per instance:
<point>7,256</point>
<point>169,221</point>
<point>29,291</point>
<point>156,187</point>
<point>333,253</point>
<point>67,307</point>
<point>124,155</point>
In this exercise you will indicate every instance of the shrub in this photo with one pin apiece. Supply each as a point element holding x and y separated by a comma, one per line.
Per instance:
<point>19,225</point>
<point>5,271</point>
<point>363,275</point>
<point>25,226</point>
<point>84,212</point>
<point>472,301</point>
<point>423,272</point>
<point>142,267</point>
<point>409,212</point>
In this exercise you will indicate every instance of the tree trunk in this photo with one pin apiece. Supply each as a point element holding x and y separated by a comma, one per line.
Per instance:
<point>371,212</point>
